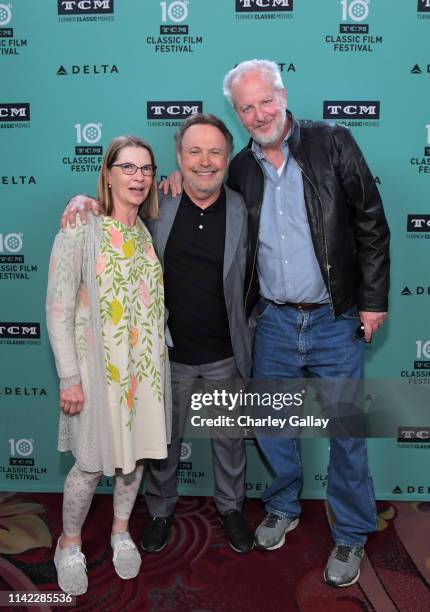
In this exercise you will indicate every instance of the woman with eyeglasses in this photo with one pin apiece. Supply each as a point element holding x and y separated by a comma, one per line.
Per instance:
<point>105,316</point>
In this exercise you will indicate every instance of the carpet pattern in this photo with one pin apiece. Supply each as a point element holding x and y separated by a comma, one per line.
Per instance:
<point>198,572</point>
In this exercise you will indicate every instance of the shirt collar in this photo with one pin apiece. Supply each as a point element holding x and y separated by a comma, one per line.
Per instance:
<point>219,202</point>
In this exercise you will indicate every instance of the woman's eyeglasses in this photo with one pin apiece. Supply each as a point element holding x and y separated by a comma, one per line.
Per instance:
<point>147,170</point>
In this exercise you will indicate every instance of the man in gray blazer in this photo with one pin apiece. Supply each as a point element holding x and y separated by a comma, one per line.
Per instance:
<point>201,241</point>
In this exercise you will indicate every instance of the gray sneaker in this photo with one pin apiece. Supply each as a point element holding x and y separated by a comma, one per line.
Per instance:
<point>126,557</point>
<point>271,532</point>
<point>343,565</point>
<point>71,569</point>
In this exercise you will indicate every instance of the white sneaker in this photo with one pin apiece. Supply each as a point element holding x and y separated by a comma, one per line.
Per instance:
<point>126,557</point>
<point>71,569</point>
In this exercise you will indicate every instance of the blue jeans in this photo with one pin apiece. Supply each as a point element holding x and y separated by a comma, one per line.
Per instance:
<point>290,343</point>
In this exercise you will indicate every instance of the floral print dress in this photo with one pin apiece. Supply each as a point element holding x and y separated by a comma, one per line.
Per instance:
<point>130,282</point>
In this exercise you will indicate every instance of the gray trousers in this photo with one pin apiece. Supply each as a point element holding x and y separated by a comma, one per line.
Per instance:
<point>228,454</point>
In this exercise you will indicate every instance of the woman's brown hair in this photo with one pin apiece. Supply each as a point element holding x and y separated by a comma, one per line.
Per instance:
<point>149,208</point>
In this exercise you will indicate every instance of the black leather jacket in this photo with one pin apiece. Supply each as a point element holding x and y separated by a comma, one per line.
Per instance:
<point>349,230</point>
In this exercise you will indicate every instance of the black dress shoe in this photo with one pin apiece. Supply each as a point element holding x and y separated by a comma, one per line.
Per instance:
<point>156,533</point>
<point>239,535</point>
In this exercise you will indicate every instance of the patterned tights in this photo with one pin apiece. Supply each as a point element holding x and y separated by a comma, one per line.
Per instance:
<point>79,490</point>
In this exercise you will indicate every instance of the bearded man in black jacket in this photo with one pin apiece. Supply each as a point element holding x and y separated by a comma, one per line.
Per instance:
<point>318,276</point>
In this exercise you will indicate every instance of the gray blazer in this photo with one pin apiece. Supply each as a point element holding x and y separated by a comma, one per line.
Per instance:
<point>235,250</point>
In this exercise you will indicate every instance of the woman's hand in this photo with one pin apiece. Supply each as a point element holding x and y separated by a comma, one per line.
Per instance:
<point>72,399</point>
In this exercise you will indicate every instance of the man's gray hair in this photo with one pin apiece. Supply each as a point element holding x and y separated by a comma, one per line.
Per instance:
<point>266,67</point>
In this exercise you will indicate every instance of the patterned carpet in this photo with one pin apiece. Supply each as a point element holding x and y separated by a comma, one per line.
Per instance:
<point>198,572</point>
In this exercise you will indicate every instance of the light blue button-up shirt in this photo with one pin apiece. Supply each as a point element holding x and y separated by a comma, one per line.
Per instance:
<point>288,270</point>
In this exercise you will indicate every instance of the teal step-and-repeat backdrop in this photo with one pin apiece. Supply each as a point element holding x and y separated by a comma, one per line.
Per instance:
<point>76,73</point>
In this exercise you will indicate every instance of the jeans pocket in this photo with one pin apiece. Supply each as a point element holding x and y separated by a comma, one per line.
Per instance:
<point>263,307</point>
<point>351,314</point>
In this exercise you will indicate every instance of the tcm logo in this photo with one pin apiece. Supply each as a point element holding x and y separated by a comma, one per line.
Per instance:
<point>186,450</point>
<point>254,6</point>
<point>172,110</point>
<point>5,14</point>
<point>355,10</point>
<point>408,435</point>
<point>423,6</point>
<point>418,223</point>
<point>10,243</point>
<point>23,331</point>
<point>351,109</point>
<point>423,355</point>
<point>14,112</point>
<point>88,135</point>
<point>176,11</point>
<point>88,7</point>
<point>21,451</point>
<point>243,6</point>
